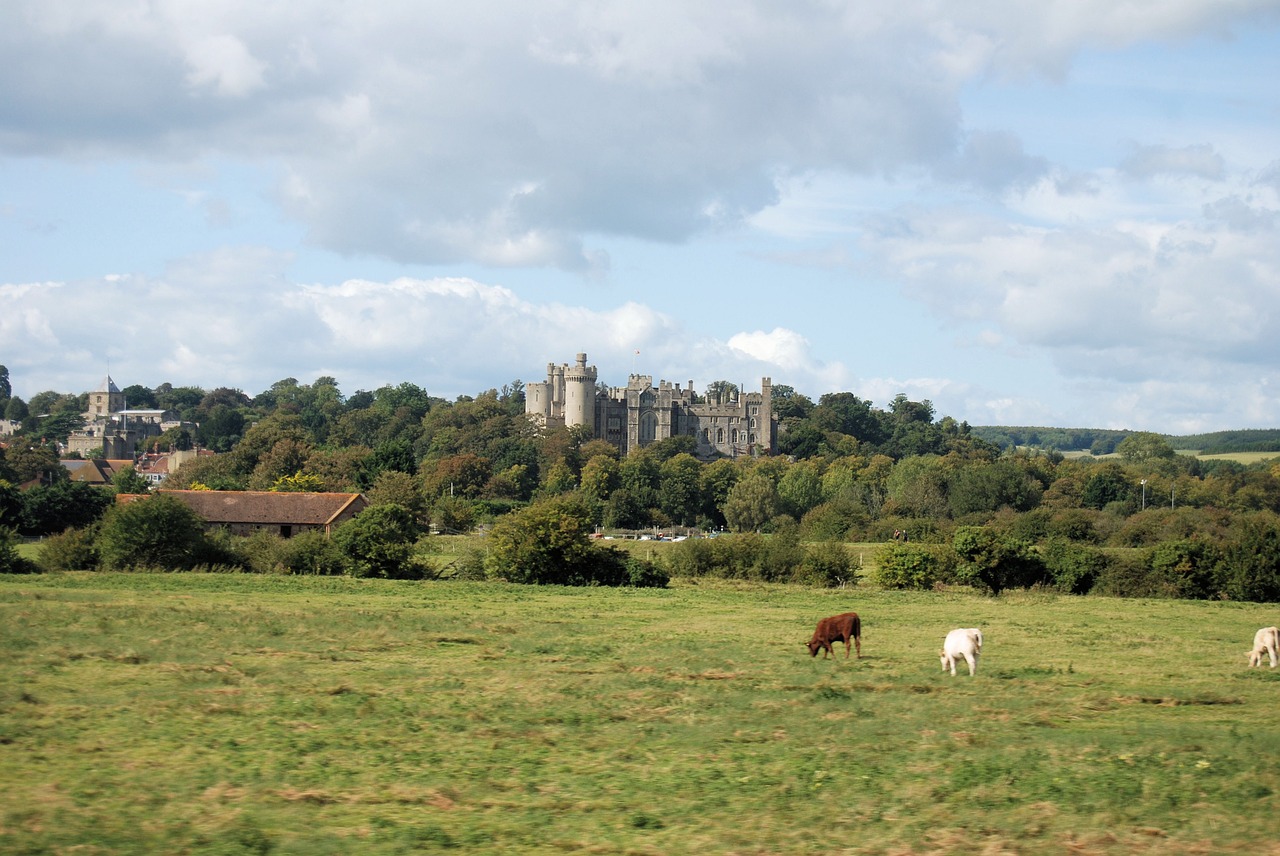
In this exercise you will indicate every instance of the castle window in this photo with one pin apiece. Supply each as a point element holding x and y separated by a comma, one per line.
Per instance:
<point>720,435</point>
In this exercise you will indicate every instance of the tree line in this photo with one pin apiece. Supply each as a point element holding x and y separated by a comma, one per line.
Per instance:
<point>1147,521</point>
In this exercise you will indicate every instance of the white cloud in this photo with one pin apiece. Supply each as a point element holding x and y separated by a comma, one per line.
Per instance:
<point>224,64</point>
<point>451,335</point>
<point>407,128</point>
<point>1193,161</point>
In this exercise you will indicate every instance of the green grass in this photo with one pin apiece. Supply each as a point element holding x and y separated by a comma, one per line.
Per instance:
<point>240,714</point>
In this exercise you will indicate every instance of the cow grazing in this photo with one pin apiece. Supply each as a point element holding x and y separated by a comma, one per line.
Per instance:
<point>1265,642</point>
<point>963,644</point>
<point>846,628</point>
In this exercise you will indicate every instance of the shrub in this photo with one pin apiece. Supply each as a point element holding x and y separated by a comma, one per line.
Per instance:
<point>379,543</point>
<point>469,565</point>
<point>72,550</point>
<point>158,532</point>
<point>909,566</point>
<point>834,521</point>
<point>995,562</point>
<point>1186,568</point>
<point>549,543</point>
<point>1128,574</point>
<point>825,564</point>
<point>695,557</point>
<point>63,505</point>
<point>1074,568</point>
<point>781,557</point>
<point>1249,566</point>
<point>311,553</point>
<point>10,561</point>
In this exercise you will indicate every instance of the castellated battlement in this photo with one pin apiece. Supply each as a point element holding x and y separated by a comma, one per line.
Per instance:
<point>638,414</point>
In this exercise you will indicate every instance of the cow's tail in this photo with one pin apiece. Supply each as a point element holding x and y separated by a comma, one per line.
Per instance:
<point>857,626</point>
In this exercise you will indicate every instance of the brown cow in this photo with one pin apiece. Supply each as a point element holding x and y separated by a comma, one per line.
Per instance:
<point>846,628</point>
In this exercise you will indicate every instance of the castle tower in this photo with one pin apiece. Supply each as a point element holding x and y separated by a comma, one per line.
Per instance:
<point>104,401</point>
<point>580,394</point>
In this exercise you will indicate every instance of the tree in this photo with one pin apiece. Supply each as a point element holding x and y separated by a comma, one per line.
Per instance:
<point>993,561</point>
<point>987,487</point>
<point>175,439</point>
<point>10,561</point>
<point>549,543</point>
<point>341,470</point>
<point>789,404</point>
<point>846,413</point>
<point>640,474</point>
<point>379,543</point>
<point>1106,485</point>
<point>138,397</point>
<point>394,454</point>
<point>600,477</point>
<point>679,496</point>
<point>751,503</point>
<point>722,391</point>
<point>393,487</point>
<point>128,481</point>
<point>715,481</point>
<point>36,462</point>
<point>1143,446</point>
<point>1249,566</point>
<point>284,460</point>
<point>184,399</point>
<point>298,483</point>
<point>221,428</point>
<point>15,410</point>
<point>918,486</point>
<point>6,388</point>
<point>800,488</point>
<point>463,475</point>
<point>158,532</point>
<point>11,504</point>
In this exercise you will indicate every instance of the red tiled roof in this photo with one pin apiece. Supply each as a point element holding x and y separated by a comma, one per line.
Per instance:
<point>268,507</point>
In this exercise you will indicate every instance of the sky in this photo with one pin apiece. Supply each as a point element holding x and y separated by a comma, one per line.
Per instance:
<point>1063,213</point>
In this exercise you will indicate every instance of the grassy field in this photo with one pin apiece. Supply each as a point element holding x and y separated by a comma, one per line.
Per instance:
<point>240,714</point>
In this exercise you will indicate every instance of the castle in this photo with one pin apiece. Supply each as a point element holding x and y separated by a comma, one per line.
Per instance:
<point>635,415</point>
<point>110,426</point>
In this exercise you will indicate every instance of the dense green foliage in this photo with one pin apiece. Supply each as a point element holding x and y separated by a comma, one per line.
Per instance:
<point>159,533</point>
<point>549,543</point>
<point>379,543</point>
<point>993,514</point>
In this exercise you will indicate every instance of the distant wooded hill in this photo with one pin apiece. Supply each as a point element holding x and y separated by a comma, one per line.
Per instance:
<point>1102,441</point>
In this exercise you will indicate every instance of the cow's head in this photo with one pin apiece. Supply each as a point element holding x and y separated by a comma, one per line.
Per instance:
<point>814,648</point>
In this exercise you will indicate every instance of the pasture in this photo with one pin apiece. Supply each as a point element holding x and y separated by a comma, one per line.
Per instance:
<point>236,714</point>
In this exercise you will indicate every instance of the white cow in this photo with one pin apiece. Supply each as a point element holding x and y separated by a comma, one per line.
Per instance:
<point>1265,641</point>
<point>960,644</point>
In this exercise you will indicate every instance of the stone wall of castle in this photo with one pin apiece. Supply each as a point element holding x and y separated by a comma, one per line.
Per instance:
<point>635,415</point>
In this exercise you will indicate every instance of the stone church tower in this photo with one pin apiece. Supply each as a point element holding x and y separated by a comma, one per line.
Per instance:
<point>106,400</point>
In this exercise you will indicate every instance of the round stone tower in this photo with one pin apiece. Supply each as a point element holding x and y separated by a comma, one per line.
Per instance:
<point>580,394</point>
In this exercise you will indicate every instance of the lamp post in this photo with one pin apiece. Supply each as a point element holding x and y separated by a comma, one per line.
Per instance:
<point>1144,494</point>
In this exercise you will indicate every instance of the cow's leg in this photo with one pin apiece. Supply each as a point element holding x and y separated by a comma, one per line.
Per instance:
<point>857,643</point>
<point>1272,652</point>
<point>846,647</point>
<point>972,661</point>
